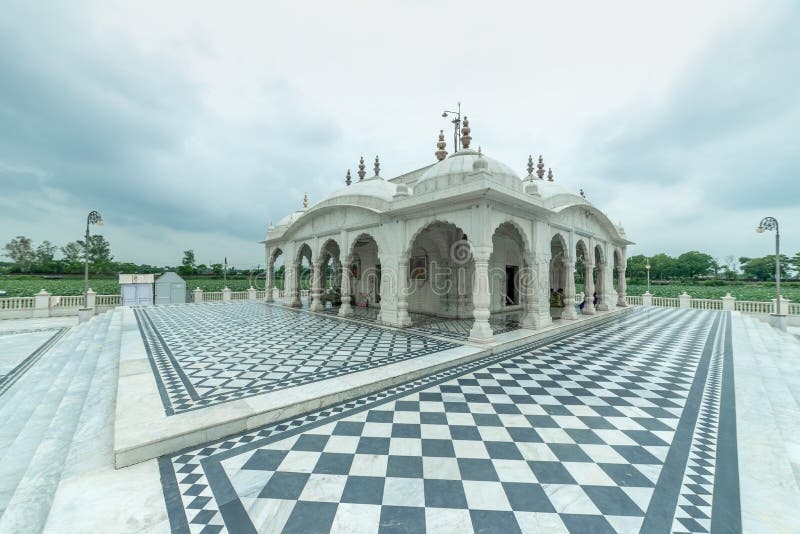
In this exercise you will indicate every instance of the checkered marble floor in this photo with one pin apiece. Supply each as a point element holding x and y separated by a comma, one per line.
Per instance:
<point>591,431</point>
<point>206,355</point>
<point>428,325</point>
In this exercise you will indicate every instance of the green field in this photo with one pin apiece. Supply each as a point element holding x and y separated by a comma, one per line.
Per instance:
<point>26,286</point>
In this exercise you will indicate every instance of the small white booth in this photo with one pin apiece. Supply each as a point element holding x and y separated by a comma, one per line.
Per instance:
<point>137,289</point>
<point>170,289</point>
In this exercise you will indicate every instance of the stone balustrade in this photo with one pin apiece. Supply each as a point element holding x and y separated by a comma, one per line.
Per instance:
<point>46,305</point>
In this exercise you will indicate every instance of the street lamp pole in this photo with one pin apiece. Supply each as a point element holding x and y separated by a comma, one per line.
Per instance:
<point>93,218</point>
<point>647,268</point>
<point>771,223</point>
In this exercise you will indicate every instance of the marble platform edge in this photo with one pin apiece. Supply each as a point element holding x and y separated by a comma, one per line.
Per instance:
<point>143,431</point>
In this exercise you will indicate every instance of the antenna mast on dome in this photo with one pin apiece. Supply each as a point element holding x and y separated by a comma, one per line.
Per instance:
<point>456,126</point>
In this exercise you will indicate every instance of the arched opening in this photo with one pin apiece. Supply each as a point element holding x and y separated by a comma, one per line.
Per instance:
<point>440,273</point>
<point>276,275</point>
<point>584,266</point>
<point>326,282</point>
<point>365,272</point>
<point>300,277</point>
<point>600,301</point>
<point>560,276</point>
<point>507,276</point>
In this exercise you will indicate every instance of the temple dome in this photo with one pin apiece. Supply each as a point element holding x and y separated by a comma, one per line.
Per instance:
<point>371,187</point>
<point>462,163</point>
<point>289,219</point>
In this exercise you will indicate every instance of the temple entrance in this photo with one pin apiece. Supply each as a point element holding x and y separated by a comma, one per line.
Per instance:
<point>512,290</point>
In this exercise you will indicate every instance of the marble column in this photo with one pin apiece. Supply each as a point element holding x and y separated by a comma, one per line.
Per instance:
<point>481,330</point>
<point>622,287</point>
<point>316,286</point>
<point>403,319</point>
<point>292,292</point>
<point>270,282</point>
<point>536,293</point>
<point>569,291</point>
<point>602,288</point>
<point>346,308</point>
<point>588,287</point>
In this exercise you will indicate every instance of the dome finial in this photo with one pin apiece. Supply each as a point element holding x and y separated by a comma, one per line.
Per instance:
<point>441,153</point>
<point>549,175</point>
<point>305,200</point>
<point>377,166</point>
<point>583,195</point>
<point>348,180</point>
<point>530,167</point>
<point>480,163</point>
<point>540,168</point>
<point>361,167</point>
<point>465,137</point>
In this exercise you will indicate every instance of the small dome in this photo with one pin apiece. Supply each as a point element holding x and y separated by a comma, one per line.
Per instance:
<point>371,187</point>
<point>289,219</point>
<point>463,162</point>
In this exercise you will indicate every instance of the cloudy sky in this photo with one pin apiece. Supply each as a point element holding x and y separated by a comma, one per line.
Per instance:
<point>193,126</point>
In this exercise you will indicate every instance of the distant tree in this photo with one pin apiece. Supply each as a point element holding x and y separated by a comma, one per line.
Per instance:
<point>663,266</point>
<point>763,268</point>
<point>794,262</point>
<point>216,268</point>
<point>694,263</point>
<point>45,257</point>
<point>100,254</point>
<point>20,250</point>
<point>188,263</point>
<point>636,265</point>
<point>201,268</point>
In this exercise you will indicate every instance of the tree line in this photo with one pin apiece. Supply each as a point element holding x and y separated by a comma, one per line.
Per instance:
<point>692,265</point>
<point>696,265</point>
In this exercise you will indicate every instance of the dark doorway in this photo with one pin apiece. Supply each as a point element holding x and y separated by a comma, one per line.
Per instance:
<point>512,292</point>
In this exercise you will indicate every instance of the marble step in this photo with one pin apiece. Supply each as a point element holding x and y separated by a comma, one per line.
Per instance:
<point>34,384</point>
<point>18,455</point>
<point>28,508</point>
<point>90,454</point>
<point>95,430</point>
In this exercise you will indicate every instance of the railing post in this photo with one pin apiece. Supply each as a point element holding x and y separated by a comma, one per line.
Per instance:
<point>728,302</point>
<point>226,293</point>
<point>91,300</point>
<point>42,304</point>
<point>685,300</point>
<point>198,295</point>
<point>251,293</point>
<point>647,299</point>
<point>784,307</point>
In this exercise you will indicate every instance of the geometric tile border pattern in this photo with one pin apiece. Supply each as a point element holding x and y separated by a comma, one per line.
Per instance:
<point>589,431</point>
<point>207,355</point>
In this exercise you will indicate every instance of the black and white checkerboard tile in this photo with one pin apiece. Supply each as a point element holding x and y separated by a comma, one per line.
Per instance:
<point>572,434</point>
<point>428,325</point>
<point>206,355</point>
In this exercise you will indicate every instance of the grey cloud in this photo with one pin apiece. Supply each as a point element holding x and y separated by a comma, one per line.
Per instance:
<point>726,127</point>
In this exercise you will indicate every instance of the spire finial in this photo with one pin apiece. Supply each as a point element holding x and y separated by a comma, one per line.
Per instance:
<point>361,167</point>
<point>583,195</point>
<point>540,168</point>
<point>530,167</point>
<point>441,153</point>
<point>465,137</point>
<point>377,166</point>
<point>348,180</point>
<point>480,155</point>
<point>305,200</point>
<point>549,175</point>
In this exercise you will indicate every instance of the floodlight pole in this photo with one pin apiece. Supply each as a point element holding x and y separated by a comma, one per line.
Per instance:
<point>93,218</point>
<point>771,223</point>
<point>456,126</point>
